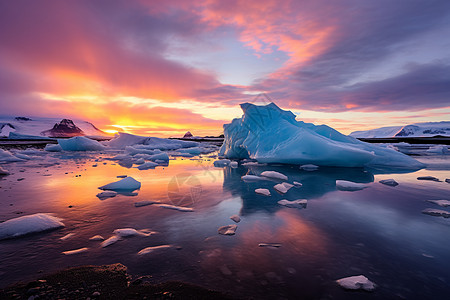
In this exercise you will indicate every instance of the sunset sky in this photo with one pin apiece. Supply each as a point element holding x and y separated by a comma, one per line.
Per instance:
<point>165,67</point>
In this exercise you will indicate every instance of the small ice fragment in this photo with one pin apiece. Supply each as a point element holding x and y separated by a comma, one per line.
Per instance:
<point>275,175</point>
<point>97,238</point>
<point>427,178</point>
<point>270,245</point>
<point>111,240</point>
<point>53,148</point>
<point>106,195</point>
<point>67,236</point>
<point>301,203</point>
<point>344,185</point>
<point>235,218</point>
<point>3,171</point>
<point>252,163</point>
<point>297,184</point>
<point>180,208</point>
<point>264,192</point>
<point>390,182</point>
<point>309,167</point>
<point>76,251</point>
<point>222,163</point>
<point>121,176</point>
<point>29,224</point>
<point>252,178</point>
<point>283,187</point>
<point>128,183</point>
<point>234,164</point>
<point>356,283</point>
<point>147,165</point>
<point>443,203</point>
<point>152,249</point>
<point>227,230</point>
<point>127,232</point>
<point>436,212</point>
<point>144,203</point>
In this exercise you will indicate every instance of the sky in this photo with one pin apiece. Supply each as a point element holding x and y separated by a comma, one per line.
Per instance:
<point>162,68</point>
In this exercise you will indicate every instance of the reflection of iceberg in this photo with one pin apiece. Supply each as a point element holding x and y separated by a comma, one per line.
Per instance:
<point>314,184</point>
<point>272,135</point>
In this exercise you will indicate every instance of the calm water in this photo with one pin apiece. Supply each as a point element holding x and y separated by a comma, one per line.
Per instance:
<point>379,232</point>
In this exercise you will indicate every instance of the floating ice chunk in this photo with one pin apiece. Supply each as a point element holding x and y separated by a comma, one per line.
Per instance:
<point>106,195</point>
<point>438,149</point>
<point>356,283</point>
<point>344,185</point>
<point>80,143</point>
<point>153,249</point>
<point>76,251</point>
<point>128,232</point>
<point>390,182</point>
<point>252,178</point>
<point>436,212</point>
<point>264,192</point>
<point>97,238</point>
<point>309,167</point>
<point>144,203</point>
<point>111,240</point>
<point>301,203</point>
<point>275,175</point>
<point>67,236</point>
<point>3,171</point>
<point>128,183</point>
<point>431,178</point>
<point>22,156</point>
<point>222,163</point>
<point>234,164</point>
<point>235,218</point>
<point>283,187</point>
<point>227,230</point>
<point>252,163</point>
<point>160,156</point>
<point>269,245</point>
<point>297,184</point>
<point>180,208</point>
<point>29,224</point>
<point>443,203</point>
<point>6,156</point>
<point>192,150</point>
<point>140,161</point>
<point>147,165</point>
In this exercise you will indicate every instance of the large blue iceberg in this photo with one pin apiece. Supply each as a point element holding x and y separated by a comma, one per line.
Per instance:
<point>272,135</point>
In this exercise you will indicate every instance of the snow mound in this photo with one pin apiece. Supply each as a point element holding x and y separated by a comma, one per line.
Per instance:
<point>264,192</point>
<point>356,283</point>
<point>272,135</point>
<point>301,203</point>
<point>275,175</point>
<point>344,185</point>
<point>128,183</point>
<point>80,143</point>
<point>29,224</point>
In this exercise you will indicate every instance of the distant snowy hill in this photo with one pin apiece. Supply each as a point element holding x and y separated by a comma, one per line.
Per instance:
<point>414,130</point>
<point>49,127</point>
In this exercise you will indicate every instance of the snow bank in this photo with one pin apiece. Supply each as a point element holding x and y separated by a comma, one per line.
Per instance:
<point>80,143</point>
<point>272,135</point>
<point>128,183</point>
<point>356,283</point>
<point>29,224</point>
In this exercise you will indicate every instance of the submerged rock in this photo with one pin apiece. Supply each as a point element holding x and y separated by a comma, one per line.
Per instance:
<point>309,167</point>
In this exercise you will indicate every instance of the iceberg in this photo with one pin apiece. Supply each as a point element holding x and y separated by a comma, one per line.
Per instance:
<point>80,143</point>
<point>222,163</point>
<point>128,183</point>
<point>18,136</point>
<point>29,224</point>
<point>174,207</point>
<point>269,134</point>
<point>121,140</point>
<point>128,232</point>
<point>235,218</point>
<point>111,240</point>
<point>252,178</point>
<point>97,238</point>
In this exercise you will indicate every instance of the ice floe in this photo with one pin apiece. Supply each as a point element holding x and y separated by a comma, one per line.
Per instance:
<point>128,232</point>
<point>360,282</point>
<point>390,182</point>
<point>235,218</point>
<point>76,251</point>
<point>53,148</point>
<point>121,140</point>
<point>67,236</point>
<point>174,207</point>
<point>297,184</point>
<point>111,240</point>
<point>269,134</point>
<point>80,143</point>
<point>252,178</point>
<point>97,238</point>
<point>127,183</point>
<point>29,224</point>
<point>443,203</point>
<point>283,187</point>
<point>149,250</point>
<point>344,185</point>
<point>264,192</point>
<point>300,203</point>
<point>309,167</point>
<point>434,212</point>
<point>106,195</point>
<point>438,149</point>
<point>147,165</point>
<point>431,178</point>
<point>227,230</point>
<point>274,175</point>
